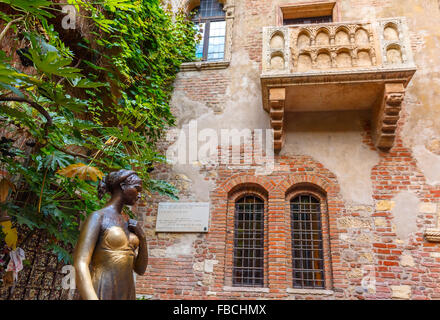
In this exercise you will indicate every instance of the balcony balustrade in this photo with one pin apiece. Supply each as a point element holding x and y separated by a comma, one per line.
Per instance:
<point>338,66</point>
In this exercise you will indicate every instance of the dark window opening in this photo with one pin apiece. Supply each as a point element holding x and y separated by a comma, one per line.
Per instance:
<point>307,244</point>
<point>316,12</point>
<point>209,19</point>
<point>249,243</point>
<point>322,19</point>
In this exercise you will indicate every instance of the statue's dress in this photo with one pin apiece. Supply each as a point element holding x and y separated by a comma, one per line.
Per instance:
<point>111,266</point>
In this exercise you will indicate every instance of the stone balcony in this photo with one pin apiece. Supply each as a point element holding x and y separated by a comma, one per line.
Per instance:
<point>338,66</point>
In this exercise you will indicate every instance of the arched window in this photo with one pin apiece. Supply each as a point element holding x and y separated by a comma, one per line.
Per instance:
<point>210,20</point>
<point>307,242</point>
<point>249,242</point>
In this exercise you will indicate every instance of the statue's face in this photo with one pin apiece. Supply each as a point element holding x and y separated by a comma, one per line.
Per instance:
<point>131,188</point>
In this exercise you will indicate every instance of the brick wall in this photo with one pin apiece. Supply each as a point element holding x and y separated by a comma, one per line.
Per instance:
<point>364,259</point>
<point>207,87</point>
<point>361,240</point>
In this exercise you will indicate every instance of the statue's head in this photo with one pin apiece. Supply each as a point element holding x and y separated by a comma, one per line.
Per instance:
<point>125,181</point>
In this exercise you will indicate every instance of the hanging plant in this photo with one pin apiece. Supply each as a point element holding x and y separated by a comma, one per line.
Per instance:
<point>91,100</point>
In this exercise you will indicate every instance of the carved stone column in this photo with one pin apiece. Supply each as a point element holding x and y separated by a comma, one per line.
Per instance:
<point>229,8</point>
<point>386,114</point>
<point>277,97</point>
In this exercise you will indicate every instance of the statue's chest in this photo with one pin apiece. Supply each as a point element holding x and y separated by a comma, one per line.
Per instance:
<point>115,234</point>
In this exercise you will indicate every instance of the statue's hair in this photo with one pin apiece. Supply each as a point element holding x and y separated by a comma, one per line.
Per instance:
<point>112,180</point>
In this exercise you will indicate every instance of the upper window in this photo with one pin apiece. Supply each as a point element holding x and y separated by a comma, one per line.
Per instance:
<point>249,242</point>
<point>209,19</point>
<point>314,12</point>
<point>307,242</point>
<point>321,19</point>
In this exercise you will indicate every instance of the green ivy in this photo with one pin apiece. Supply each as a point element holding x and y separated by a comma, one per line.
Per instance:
<point>102,101</point>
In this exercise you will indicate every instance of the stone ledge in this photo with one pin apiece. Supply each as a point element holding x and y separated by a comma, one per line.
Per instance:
<point>203,65</point>
<point>310,291</point>
<point>245,289</point>
<point>432,235</point>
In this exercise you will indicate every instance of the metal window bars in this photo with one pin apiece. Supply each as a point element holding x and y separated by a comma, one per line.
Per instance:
<point>211,8</point>
<point>321,19</point>
<point>248,261</point>
<point>41,279</point>
<point>208,9</point>
<point>307,243</point>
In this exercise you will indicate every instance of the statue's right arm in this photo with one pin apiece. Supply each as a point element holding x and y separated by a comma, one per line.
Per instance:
<point>88,238</point>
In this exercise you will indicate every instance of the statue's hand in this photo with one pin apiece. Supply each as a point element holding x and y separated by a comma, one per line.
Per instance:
<point>135,227</point>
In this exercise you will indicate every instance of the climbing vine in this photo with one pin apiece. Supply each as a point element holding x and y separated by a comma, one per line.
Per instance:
<point>82,101</point>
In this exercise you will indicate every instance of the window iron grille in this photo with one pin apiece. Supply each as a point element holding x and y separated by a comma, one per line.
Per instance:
<point>307,243</point>
<point>41,279</point>
<point>209,8</point>
<point>249,242</point>
<point>322,19</point>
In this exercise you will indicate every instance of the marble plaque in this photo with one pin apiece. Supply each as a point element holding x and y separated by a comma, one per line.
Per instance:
<point>182,217</point>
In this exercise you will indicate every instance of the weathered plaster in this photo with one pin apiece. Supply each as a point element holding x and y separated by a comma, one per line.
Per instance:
<point>429,163</point>
<point>335,140</point>
<point>421,102</point>
<point>186,109</point>
<point>405,214</point>
<point>183,246</point>
<point>241,109</point>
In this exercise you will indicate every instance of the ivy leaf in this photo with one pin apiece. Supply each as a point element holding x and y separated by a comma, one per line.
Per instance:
<point>13,89</point>
<point>23,220</point>
<point>9,76</point>
<point>55,160</point>
<point>148,44</point>
<point>53,210</point>
<point>120,4</point>
<point>164,188</point>
<point>82,171</point>
<point>14,113</point>
<point>62,254</point>
<point>86,83</point>
<point>52,63</point>
<point>36,7</point>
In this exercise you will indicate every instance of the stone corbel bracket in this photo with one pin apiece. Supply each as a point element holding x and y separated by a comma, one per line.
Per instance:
<point>277,98</point>
<point>432,235</point>
<point>386,114</point>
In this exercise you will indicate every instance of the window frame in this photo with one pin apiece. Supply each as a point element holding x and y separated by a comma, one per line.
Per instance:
<point>206,32</point>
<point>237,193</point>
<point>296,21</point>
<point>262,220</point>
<point>229,8</point>
<point>312,9</point>
<point>309,232</point>
<point>325,234</point>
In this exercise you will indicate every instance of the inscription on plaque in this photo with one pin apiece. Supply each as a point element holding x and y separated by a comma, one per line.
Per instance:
<point>182,217</point>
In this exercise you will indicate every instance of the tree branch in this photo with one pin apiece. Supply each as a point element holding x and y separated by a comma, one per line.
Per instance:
<point>74,154</point>
<point>8,26</point>
<point>49,122</point>
<point>34,105</point>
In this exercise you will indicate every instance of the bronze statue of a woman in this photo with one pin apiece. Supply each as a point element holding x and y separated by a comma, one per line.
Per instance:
<point>105,255</point>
